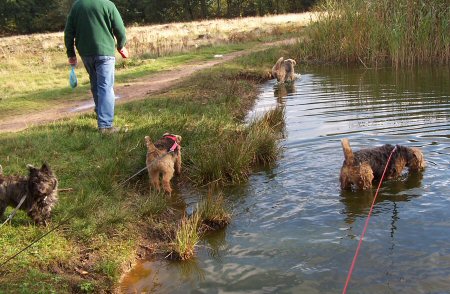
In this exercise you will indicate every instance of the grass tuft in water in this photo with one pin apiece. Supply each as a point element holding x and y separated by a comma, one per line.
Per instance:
<point>186,238</point>
<point>264,134</point>
<point>213,212</point>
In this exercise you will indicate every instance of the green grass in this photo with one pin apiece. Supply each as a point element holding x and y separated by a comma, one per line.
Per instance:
<point>28,84</point>
<point>137,67</point>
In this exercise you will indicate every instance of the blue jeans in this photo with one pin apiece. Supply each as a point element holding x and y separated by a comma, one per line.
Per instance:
<point>101,76</point>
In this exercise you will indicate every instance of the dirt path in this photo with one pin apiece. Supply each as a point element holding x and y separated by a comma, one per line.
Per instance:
<point>132,91</point>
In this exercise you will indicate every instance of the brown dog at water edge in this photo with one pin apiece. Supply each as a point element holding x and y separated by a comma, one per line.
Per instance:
<point>163,159</point>
<point>360,168</point>
<point>283,70</point>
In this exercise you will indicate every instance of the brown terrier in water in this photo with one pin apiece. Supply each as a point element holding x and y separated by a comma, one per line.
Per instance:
<point>38,192</point>
<point>283,70</point>
<point>163,158</point>
<point>360,168</point>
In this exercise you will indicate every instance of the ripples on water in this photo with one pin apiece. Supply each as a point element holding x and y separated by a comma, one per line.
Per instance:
<point>294,231</point>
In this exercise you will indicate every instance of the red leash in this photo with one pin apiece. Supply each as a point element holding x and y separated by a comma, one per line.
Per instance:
<point>366,225</point>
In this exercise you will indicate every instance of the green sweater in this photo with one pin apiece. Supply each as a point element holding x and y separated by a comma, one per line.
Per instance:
<point>92,25</point>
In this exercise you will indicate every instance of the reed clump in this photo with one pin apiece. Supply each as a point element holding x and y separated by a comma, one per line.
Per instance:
<point>403,32</point>
<point>263,135</point>
<point>186,238</point>
<point>213,212</point>
<point>230,158</point>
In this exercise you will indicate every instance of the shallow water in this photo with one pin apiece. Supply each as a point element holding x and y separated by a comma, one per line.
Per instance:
<point>294,231</point>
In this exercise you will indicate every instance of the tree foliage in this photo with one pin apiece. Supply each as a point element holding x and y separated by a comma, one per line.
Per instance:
<point>32,16</point>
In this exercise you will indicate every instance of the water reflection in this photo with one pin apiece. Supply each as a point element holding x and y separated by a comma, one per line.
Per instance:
<point>216,242</point>
<point>143,278</point>
<point>283,90</point>
<point>189,270</point>
<point>357,204</point>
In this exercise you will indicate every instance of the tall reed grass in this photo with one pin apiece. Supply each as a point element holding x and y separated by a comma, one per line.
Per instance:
<point>402,32</point>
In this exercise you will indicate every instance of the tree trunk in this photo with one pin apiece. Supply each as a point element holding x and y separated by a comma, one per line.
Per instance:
<point>219,9</point>
<point>204,9</point>
<point>229,7</point>
<point>188,9</point>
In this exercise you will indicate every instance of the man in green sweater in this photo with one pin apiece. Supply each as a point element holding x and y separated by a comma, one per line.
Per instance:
<point>91,27</point>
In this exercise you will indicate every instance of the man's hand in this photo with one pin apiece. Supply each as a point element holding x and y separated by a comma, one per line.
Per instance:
<point>73,61</point>
<point>123,52</point>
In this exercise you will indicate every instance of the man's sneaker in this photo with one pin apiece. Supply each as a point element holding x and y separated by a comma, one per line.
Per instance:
<point>109,130</point>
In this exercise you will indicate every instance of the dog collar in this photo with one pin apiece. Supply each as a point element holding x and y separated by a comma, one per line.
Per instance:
<point>175,145</point>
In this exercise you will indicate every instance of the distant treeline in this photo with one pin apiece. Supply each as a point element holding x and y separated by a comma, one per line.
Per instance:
<point>36,16</point>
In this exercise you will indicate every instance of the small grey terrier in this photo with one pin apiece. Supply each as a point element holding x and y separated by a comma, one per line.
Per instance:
<point>40,188</point>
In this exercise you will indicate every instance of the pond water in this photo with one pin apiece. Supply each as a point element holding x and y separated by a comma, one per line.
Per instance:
<point>295,231</point>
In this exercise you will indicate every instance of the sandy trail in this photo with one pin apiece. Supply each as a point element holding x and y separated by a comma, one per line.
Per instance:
<point>136,90</point>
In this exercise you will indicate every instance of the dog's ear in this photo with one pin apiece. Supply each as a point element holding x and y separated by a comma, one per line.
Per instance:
<point>178,138</point>
<point>416,159</point>
<point>147,140</point>
<point>46,168</point>
<point>1,170</point>
<point>30,167</point>
<point>294,62</point>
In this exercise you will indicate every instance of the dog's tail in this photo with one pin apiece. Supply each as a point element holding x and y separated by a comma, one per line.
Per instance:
<point>150,146</point>
<point>348,153</point>
<point>278,63</point>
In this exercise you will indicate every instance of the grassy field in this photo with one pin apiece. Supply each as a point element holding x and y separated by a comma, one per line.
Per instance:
<point>34,70</point>
<point>105,221</point>
<point>37,87</point>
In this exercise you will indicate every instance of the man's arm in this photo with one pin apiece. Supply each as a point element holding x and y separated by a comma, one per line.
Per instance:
<point>69,39</point>
<point>118,29</point>
<point>69,35</point>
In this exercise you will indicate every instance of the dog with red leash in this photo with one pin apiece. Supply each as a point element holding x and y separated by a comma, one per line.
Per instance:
<point>163,160</point>
<point>362,167</point>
